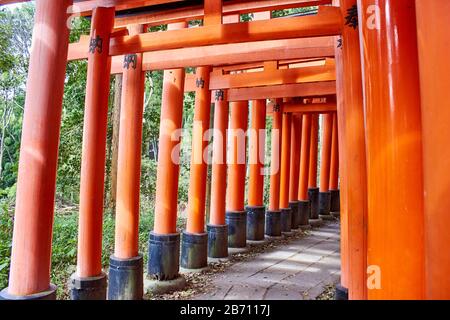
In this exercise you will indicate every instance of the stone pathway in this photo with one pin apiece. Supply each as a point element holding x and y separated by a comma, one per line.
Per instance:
<point>300,270</point>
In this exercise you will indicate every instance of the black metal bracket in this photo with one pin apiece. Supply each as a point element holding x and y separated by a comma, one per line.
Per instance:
<point>219,95</point>
<point>130,59</point>
<point>96,43</point>
<point>200,83</point>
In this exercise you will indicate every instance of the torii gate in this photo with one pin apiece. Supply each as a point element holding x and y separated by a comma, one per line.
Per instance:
<point>385,221</point>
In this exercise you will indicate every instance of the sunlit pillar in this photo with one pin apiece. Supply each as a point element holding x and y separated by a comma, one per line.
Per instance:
<point>195,240</point>
<point>236,216</point>
<point>394,149</point>
<point>294,171</point>
<point>434,45</point>
<point>217,227</point>
<point>335,201</point>
<point>89,281</point>
<point>255,208</point>
<point>273,215</point>
<point>164,240</point>
<point>313,190</point>
<point>325,159</point>
<point>126,264</point>
<point>33,220</point>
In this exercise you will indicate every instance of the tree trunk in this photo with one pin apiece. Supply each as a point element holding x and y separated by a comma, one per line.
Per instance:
<point>115,139</point>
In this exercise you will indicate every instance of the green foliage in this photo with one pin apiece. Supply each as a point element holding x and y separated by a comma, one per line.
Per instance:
<point>6,226</point>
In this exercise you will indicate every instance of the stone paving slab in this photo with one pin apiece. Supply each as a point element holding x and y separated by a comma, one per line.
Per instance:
<point>299,270</point>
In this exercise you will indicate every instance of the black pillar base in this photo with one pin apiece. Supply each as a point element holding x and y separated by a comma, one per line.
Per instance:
<point>49,294</point>
<point>313,195</point>
<point>194,251</point>
<point>217,241</point>
<point>273,223</point>
<point>237,229</point>
<point>126,278</point>
<point>286,220</point>
<point>341,293</point>
<point>255,223</point>
<point>304,209</point>
<point>324,203</point>
<point>295,223</point>
<point>335,206</point>
<point>90,288</point>
<point>164,256</point>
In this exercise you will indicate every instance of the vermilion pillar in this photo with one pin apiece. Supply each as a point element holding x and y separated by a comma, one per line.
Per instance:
<point>256,209</point>
<point>394,150</point>
<point>236,216</point>
<point>294,170</point>
<point>195,240</point>
<point>342,288</point>
<point>313,191</point>
<point>164,242</point>
<point>89,282</point>
<point>32,240</point>
<point>334,171</point>
<point>126,265</point>
<point>303,198</point>
<point>352,160</point>
<point>217,228</point>
<point>325,158</point>
<point>273,215</point>
<point>286,211</point>
<point>434,46</point>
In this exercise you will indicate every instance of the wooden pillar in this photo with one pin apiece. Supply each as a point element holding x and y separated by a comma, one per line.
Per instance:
<point>126,265</point>
<point>194,244</point>
<point>33,220</point>
<point>217,228</point>
<point>89,282</point>
<point>304,206</point>
<point>256,209</point>
<point>434,45</point>
<point>334,164</point>
<point>342,287</point>
<point>394,150</point>
<point>314,151</point>
<point>273,215</point>
<point>334,171</point>
<point>325,158</point>
<point>164,239</point>
<point>313,191</point>
<point>352,130</point>
<point>236,216</point>
<point>294,170</point>
<point>256,153</point>
<point>286,211</point>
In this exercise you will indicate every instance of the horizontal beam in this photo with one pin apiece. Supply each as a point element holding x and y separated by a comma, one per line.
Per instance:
<point>273,77</point>
<point>86,6</point>
<point>313,89</point>
<point>230,7</point>
<point>296,107</point>
<point>259,66</point>
<point>231,54</point>
<point>265,78</point>
<point>327,22</point>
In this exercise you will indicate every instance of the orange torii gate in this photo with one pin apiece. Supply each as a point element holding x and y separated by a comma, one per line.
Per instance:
<point>89,282</point>
<point>375,130</point>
